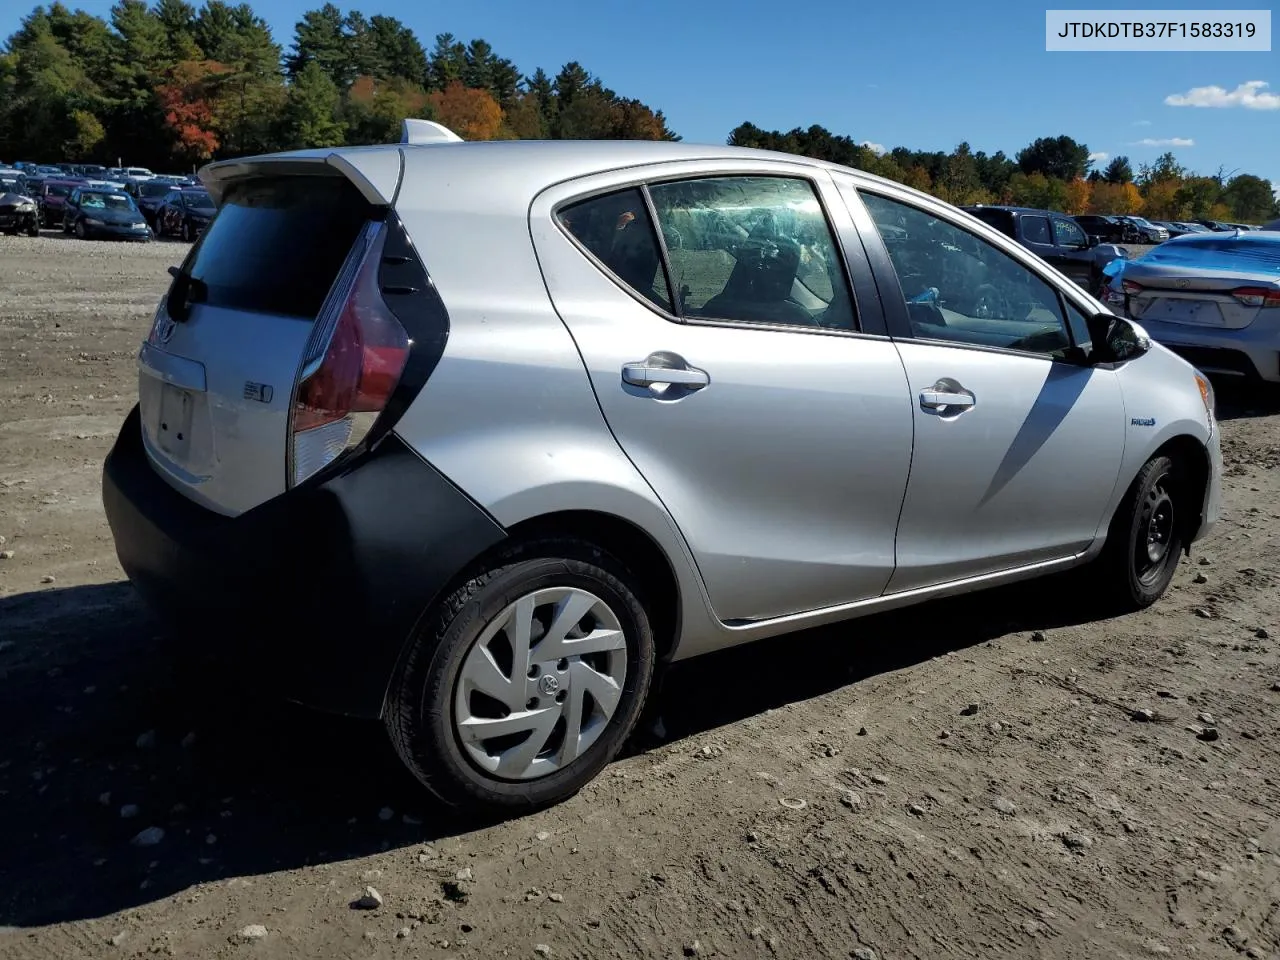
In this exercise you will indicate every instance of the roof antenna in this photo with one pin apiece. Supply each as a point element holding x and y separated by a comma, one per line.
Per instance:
<point>426,131</point>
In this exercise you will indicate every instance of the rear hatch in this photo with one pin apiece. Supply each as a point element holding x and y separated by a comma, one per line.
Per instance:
<point>257,299</point>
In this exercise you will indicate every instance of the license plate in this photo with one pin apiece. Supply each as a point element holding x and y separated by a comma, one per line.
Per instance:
<point>1201,313</point>
<point>173,423</point>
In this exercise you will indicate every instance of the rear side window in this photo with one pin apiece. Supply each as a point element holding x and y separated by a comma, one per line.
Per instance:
<point>1036,230</point>
<point>277,244</point>
<point>617,229</point>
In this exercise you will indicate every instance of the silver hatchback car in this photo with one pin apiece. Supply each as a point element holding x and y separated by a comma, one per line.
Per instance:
<point>473,437</point>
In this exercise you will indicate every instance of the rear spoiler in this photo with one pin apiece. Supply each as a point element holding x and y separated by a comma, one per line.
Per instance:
<point>374,170</point>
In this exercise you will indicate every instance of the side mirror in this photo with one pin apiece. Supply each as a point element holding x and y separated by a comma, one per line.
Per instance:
<point>1114,339</point>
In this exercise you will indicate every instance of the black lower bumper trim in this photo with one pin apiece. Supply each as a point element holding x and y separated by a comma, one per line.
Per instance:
<point>316,589</point>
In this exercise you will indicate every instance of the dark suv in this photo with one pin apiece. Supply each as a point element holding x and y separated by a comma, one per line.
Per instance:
<point>1055,237</point>
<point>1106,229</point>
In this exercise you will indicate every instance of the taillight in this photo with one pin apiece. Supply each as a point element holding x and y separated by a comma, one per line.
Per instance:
<point>1257,296</point>
<point>354,364</point>
<point>1131,288</point>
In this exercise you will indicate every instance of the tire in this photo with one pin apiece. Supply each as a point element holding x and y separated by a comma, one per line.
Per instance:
<point>1129,574</point>
<point>33,230</point>
<point>434,694</point>
<point>186,232</point>
<point>80,230</point>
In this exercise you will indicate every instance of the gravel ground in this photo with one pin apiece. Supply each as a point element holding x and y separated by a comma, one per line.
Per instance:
<point>966,779</point>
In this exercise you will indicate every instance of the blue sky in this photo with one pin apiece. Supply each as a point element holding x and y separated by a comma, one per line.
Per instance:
<point>920,73</point>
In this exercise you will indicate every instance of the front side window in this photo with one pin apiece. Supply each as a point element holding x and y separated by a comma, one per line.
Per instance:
<point>752,249</point>
<point>961,289</point>
<point>617,230</point>
<point>1069,234</point>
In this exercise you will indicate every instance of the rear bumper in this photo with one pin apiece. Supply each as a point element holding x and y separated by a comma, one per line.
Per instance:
<point>1253,352</point>
<point>314,591</point>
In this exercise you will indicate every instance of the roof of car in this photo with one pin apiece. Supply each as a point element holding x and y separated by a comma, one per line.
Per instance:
<point>535,164</point>
<point>1034,211</point>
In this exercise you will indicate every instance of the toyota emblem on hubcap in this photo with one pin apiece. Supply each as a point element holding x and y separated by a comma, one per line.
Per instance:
<point>548,684</point>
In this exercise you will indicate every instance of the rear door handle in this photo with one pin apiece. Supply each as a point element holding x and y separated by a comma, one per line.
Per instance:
<point>645,374</point>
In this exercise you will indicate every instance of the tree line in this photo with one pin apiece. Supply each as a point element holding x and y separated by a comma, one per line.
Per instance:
<point>1055,173</point>
<point>167,84</point>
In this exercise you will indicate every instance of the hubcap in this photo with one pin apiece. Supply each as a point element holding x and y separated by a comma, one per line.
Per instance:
<point>1155,534</point>
<point>540,684</point>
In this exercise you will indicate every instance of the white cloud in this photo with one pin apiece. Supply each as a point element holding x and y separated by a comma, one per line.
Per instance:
<point>1249,95</point>
<point>1098,157</point>
<point>1142,123</point>
<point>1165,142</point>
<point>877,148</point>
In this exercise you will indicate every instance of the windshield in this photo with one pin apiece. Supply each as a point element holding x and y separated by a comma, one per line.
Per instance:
<point>1219,251</point>
<point>11,186</point>
<point>1140,221</point>
<point>116,202</point>
<point>197,201</point>
<point>57,190</point>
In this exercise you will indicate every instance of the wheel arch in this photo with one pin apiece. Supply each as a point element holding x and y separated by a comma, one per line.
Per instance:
<point>1192,455</point>
<point>631,546</point>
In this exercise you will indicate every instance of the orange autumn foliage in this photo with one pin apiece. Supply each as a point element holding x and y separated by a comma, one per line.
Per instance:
<point>472,114</point>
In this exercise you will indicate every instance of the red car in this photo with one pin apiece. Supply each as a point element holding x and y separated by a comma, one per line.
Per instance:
<point>52,197</point>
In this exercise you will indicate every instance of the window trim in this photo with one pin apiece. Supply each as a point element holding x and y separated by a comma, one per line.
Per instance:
<point>896,315</point>
<point>643,183</point>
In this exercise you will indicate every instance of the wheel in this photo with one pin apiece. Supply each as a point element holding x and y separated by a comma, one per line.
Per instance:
<point>80,230</point>
<point>526,681</point>
<point>33,230</point>
<point>186,232</point>
<point>1146,537</point>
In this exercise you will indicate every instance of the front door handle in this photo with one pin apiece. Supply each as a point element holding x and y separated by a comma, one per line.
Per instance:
<point>938,398</point>
<point>947,396</point>
<point>664,370</point>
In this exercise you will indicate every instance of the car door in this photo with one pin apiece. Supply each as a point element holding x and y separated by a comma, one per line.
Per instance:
<point>1074,252</point>
<point>755,393</point>
<point>1018,443</point>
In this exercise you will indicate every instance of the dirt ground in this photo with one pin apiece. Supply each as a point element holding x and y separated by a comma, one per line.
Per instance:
<point>961,780</point>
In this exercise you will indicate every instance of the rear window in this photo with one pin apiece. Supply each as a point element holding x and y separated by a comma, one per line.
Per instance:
<point>155,189</point>
<point>277,244</point>
<point>1213,251</point>
<point>1002,220</point>
<point>57,190</point>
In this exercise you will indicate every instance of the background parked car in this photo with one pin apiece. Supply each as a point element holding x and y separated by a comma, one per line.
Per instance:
<point>52,199</point>
<point>19,212</point>
<point>1148,232</point>
<point>93,213</point>
<point>184,213</point>
<point>149,195</point>
<point>1106,229</point>
<point>1212,297</point>
<point>1055,237</point>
